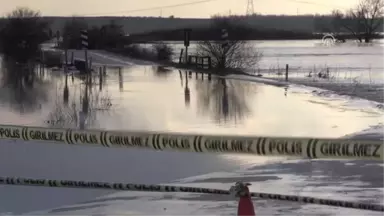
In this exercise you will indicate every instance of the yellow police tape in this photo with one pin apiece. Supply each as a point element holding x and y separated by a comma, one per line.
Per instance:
<point>264,146</point>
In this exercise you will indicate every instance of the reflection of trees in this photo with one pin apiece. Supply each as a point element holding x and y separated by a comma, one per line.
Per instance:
<point>187,92</point>
<point>85,99</point>
<point>224,100</point>
<point>121,81</point>
<point>22,88</point>
<point>161,71</point>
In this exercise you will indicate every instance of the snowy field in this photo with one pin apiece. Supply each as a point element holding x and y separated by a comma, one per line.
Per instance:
<point>145,98</point>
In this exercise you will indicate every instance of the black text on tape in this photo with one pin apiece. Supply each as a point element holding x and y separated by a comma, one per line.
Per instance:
<point>128,140</point>
<point>353,150</point>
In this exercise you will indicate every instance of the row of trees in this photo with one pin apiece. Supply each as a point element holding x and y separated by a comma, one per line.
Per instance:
<point>23,30</point>
<point>236,54</point>
<point>104,37</point>
<point>21,34</point>
<point>362,21</point>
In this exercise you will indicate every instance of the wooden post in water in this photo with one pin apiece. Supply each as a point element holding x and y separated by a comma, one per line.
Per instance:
<point>186,55</point>
<point>85,98</point>
<point>100,78</point>
<point>181,56</point>
<point>86,62</point>
<point>84,43</point>
<point>82,120</point>
<point>187,35</point>
<point>209,62</point>
<point>187,93</point>
<point>286,72</point>
<point>181,78</point>
<point>90,64</point>
<point>72,58</point>
<point>43,57</point>
<point>66,90</point>
<point>66,60</point>
<point>120,80</point>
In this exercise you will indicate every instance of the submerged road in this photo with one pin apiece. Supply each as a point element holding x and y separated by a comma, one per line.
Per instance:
<point>156,100</point>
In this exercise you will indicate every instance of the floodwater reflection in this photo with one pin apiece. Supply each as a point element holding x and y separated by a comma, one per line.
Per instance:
<point>161,71</point>
<point>224,100</point>
<point>22,87</point>
<point>136,98</point>
<point>85,102</point>
<point>187,91</point>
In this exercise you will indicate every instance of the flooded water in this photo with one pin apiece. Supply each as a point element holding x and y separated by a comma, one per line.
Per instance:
<point>346,62</point>
<point>160,99</point>
<point>145,97</point>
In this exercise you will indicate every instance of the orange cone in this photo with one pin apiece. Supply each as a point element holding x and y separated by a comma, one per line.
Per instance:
<point>245,207</point>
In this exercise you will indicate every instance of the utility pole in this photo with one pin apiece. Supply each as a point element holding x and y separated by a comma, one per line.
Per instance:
<point>84,43</point>
<point>250,9</point>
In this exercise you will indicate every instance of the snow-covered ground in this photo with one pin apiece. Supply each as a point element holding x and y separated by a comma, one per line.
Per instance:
<point>321,113</point>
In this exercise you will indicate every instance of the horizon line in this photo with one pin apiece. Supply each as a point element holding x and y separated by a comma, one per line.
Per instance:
<point>175,17</point>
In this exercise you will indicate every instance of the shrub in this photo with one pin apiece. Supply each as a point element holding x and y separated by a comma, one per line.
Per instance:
<point>22,32</point>
<point>163,51</point>
<point>158,52</point>
<point>52,58</point>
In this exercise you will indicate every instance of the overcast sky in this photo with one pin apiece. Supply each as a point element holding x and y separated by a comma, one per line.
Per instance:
<point>205,9</point>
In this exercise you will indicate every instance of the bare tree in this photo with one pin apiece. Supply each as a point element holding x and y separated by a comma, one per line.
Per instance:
<point>23,12</point>
<point>349,21</point>
<point>71,32</point>
<point>236,54</point>
<point>22,33</point>
<point>361,21</point>
<point>372,12</point>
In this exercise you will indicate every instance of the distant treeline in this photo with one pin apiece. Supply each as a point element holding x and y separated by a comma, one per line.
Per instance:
<point>134,25</point>
<point>237,33</point>
<point>112,35</point>
<point>341,26</point>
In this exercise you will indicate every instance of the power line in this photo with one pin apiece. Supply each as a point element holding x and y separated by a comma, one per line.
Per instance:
<point>249,7</point>
<point>152,8</point>
<point>318,4</point>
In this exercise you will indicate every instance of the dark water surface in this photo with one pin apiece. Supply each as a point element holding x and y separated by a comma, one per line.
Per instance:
<point>150,98</point>
<point>156,98</point>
